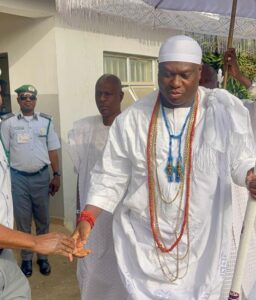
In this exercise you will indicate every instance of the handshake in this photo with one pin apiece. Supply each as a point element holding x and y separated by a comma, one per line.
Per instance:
<point>69,246</point>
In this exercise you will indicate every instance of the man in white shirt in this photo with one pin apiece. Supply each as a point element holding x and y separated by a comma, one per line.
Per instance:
<point>98,273</point>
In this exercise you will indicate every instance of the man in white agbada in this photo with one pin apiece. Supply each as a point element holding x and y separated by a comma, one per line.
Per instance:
<point>172,154</point>
<point>98,273</point>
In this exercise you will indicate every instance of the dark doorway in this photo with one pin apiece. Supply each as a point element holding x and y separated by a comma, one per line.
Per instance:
<point>5,96</point>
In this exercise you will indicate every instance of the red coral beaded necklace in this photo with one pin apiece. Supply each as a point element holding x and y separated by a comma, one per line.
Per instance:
<point>153,183</point>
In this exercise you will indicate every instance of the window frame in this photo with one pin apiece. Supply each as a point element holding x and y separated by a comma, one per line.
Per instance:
<point>128,58</point>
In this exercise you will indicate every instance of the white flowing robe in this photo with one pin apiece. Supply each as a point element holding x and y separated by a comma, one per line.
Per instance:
<point>97,273</point>
<point>223,146</point>
<point>251,106</point>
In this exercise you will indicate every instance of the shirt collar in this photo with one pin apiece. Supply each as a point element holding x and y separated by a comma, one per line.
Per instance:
<point>21,116</point>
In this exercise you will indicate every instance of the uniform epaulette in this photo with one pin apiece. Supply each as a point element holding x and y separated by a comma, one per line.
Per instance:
<point>45,116</point>
<point>7,116</point>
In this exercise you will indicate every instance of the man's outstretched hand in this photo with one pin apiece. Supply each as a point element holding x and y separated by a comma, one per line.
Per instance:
<point>80,236</point>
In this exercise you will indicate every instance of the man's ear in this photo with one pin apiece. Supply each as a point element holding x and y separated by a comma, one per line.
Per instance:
<point>200,71</point>
<point>122,96</point>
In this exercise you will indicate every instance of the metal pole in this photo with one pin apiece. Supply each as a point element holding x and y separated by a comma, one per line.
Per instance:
<point>230,37</point>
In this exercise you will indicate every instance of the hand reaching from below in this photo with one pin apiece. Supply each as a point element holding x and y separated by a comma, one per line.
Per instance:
<point>54,243</point>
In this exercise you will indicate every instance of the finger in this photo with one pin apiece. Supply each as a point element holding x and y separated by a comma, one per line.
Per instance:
<point>80,244</point>
<point>63,252</point>
<point>82,252</point>
<point>75,234</point>
<point>77,240</point>
<point>70,257</point>
<point>68,245</point>
<point>66,252</point>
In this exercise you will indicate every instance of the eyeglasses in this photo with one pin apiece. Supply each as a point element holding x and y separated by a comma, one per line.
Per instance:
<point>24,97</point>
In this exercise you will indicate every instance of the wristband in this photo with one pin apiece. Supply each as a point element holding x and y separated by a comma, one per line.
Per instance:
<point>86,215</point>
<point>56,173</point>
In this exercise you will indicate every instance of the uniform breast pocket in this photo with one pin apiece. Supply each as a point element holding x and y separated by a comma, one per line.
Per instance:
<point>23,138</point>
<point>42,132</point>
<point>20,136</point>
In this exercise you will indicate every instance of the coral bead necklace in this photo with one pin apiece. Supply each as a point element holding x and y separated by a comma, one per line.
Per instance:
<point>184,180</point>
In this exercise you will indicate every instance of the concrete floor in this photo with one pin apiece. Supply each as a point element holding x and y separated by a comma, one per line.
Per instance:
<point>61,284</point>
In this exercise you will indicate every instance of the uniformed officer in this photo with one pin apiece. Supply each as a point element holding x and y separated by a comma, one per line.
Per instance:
<point>13,284</point>
<point>31,144</point>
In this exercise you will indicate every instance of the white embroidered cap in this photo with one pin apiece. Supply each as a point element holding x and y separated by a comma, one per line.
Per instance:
<point>180,48</point>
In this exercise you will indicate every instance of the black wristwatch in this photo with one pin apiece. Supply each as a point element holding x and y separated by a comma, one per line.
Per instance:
<point>56,173</point>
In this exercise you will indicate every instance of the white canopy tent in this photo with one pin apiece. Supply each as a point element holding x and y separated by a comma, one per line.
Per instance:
<point>206,17</point>
<point>245,8</point>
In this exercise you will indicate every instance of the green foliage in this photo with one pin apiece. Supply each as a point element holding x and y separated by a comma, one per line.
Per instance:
<point>247,66</point>
<point>213,59</point>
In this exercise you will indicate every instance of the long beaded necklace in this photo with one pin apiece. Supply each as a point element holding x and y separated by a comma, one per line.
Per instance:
<point>152,176</point>
<point>174,173</point>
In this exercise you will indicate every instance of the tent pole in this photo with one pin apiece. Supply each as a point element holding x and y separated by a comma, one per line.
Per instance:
<point>230,37</point>
<point>245,237</point>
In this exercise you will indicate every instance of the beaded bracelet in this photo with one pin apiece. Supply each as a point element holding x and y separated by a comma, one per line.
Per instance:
<point>86,215</point>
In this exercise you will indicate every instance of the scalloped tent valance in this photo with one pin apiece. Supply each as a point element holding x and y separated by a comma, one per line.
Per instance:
<point>203,17</point>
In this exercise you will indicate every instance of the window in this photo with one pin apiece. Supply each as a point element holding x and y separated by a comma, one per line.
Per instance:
<point>137,73</point>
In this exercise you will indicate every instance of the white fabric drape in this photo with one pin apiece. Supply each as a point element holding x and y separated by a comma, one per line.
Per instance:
<point>87,139</point>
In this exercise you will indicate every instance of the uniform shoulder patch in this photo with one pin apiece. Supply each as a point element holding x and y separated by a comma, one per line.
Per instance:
<point>7,116</point>
<point>43,115</point>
